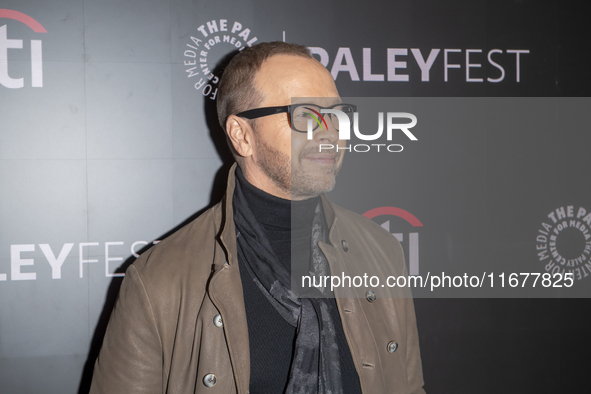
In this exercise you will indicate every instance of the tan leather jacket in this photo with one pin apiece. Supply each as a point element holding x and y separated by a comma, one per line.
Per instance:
<point>162,337</point>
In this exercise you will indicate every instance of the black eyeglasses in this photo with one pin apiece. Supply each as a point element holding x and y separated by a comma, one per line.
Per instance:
<point>300,114</point>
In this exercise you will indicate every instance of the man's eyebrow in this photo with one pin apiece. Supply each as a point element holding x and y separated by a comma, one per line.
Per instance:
<point>335,101</point>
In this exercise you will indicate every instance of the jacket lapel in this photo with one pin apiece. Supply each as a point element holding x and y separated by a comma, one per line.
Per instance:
<point>225,290</point>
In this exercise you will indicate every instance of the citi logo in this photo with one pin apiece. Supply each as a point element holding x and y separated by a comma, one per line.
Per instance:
<point>412,241</point>
<point>7,43</point>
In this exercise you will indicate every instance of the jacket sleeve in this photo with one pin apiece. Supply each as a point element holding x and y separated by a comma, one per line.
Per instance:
<point>414,366</point>
<point>130,360</point>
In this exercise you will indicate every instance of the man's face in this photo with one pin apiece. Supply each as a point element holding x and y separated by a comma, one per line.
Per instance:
<point>288,158</point>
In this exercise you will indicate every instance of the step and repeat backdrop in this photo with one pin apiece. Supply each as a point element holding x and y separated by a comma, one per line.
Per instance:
<point>109,142</point>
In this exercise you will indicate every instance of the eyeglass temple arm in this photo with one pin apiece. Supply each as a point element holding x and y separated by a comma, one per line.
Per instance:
<point>260,112</point>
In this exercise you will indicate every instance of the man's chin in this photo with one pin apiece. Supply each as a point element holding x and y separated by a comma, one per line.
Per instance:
<point>312,184</point>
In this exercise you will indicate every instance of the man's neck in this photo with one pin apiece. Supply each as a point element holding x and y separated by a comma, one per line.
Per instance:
<point>257,178</point>
<point>274,212</point>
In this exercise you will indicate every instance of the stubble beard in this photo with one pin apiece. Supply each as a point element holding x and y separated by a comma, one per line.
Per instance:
<point>297,181</point>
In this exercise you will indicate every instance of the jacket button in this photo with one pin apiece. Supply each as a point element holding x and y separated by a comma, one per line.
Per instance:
<point>210,380</point>
<point>392,346</point>
<point>345,245</point>
<point>370,295</point>
<point>217,321</point>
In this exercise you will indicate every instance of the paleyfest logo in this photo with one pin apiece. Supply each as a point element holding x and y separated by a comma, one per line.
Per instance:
<point>564,243</point>
<point>411,239</point>
<point>24,265</point>
<point>341,121</point>
<point>198,61</point>
<point>467,64</point>
<point>8,43</point>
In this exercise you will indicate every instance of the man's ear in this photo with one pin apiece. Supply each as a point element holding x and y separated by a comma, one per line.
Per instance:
<point>240,135</point>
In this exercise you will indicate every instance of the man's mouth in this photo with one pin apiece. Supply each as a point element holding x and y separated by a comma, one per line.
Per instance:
<point>322,158</point>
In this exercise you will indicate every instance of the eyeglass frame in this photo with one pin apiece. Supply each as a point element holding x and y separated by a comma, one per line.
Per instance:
<point>256,113</point>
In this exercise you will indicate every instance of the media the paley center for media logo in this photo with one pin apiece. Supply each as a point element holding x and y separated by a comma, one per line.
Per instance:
<point>198,60</point>
<point>6,44</point>
<point>563,243</point>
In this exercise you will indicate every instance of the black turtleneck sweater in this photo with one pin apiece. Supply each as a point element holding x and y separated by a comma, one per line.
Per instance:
<point>287,224</point>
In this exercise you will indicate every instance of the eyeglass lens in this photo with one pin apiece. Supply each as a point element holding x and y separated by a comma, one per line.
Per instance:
<point>304,112</point>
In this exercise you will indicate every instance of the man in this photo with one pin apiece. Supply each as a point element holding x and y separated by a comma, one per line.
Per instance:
<point>210,308</point>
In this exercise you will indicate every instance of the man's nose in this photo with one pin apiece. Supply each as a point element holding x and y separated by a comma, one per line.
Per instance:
<point>326,135</point>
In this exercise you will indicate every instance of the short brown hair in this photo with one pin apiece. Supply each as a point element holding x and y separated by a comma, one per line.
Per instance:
<point>237,92</point>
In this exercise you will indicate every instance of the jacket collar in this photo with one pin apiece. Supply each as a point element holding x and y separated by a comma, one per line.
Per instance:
<point>228,229</point>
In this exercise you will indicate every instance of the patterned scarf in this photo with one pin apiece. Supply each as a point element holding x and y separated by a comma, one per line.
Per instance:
<point>315,367</point>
